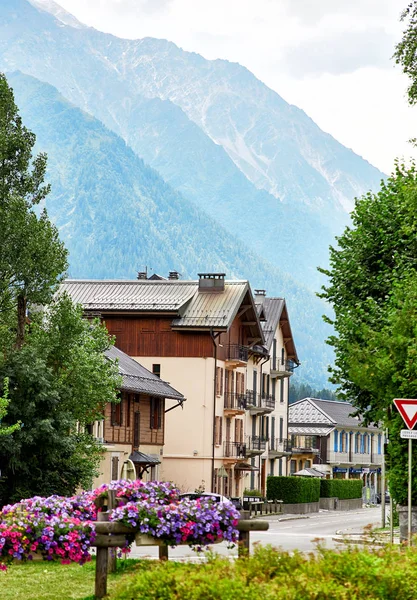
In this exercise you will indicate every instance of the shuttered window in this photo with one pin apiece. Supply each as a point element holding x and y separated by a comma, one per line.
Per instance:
<point>218,433</point>
<point>156,413</point>
<point>117,414</point>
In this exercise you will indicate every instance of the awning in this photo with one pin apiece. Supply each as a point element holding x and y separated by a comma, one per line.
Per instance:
<point>143,461</point>
<point>242,466</point>
<point>309,472</point>
<point>300,430</point>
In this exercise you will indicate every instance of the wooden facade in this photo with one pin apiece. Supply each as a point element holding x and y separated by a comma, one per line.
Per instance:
<point>136,420</point>
<point>153,336</point>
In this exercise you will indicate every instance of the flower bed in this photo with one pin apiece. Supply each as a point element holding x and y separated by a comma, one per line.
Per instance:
<point>63,528</point>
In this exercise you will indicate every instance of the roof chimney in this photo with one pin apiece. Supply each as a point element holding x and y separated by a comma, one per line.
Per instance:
<point>211,282</point>
<point>142,275</point>
<point>173,275</point>
<point>260,296</point>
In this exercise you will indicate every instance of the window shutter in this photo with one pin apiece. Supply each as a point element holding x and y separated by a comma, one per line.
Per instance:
<point>236,430</point>
<point>221,430</point>
<point>221,381</point>
<point>113,414</point>
<point>121,411</point>
<point>336,435</point>
<point>159,413</point>
<point>152,415</point>
<point>115,467</point>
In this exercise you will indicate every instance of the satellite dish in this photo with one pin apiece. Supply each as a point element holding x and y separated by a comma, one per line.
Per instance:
<point>128,470</point>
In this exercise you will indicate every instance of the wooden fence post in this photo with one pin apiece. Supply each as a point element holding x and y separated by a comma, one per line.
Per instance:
<point>101,572</point>
<point>112,560</point>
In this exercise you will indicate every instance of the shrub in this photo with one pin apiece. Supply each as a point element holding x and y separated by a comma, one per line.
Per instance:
<point>293,490</point>
<point>253,493</point>
<point>344,489</point>
<point>270,574</point>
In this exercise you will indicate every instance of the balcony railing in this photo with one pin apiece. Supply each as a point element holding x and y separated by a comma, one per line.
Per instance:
<point>306,444</point>
<point>234,450</point>
<point>279,446</point>
<point>237,353</point>
<point>236,402</point>
<point>259,403</point>
<point>282,368</point>
<point>255,444</point>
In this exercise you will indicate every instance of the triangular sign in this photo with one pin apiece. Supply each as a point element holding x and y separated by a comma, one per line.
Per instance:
<point>408,410</point>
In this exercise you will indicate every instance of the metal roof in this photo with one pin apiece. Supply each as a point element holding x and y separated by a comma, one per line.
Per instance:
<point>137,295</point>
<point>275,311</point>
<point>191,308</point>
<point>138,379</point>
<point>272,308</point>
<point>214,309</point>
<point>331,412</point>
<point>300,430</point>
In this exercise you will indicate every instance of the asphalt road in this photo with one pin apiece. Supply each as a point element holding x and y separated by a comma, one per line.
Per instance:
<point>288,533</point>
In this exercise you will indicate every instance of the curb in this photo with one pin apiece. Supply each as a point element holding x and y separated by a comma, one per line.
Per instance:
<point>292,518</point>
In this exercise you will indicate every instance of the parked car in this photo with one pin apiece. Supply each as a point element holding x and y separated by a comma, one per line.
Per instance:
<point>387,497</point>
<point>212,496</point>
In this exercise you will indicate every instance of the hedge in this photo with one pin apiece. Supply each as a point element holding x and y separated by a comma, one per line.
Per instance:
<point>293,490</point>
<point>344,489</point>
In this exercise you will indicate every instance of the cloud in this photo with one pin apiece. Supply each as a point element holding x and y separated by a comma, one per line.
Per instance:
<point>138,7</point>
<point>338,53</point>
<point>310,12</point>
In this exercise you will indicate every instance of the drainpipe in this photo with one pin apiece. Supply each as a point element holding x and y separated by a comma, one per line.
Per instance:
<point>213,339</point>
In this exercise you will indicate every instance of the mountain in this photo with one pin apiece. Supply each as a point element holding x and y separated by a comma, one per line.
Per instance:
<point>117,215</point>
<point>214,132</point>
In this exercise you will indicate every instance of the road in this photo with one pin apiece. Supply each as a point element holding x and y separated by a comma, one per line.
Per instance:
<point>288,533</point>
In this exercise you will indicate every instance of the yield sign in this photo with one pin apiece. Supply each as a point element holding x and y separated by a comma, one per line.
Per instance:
<point>408,410</point>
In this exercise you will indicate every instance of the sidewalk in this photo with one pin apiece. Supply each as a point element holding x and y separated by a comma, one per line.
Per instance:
<point>373,538</point>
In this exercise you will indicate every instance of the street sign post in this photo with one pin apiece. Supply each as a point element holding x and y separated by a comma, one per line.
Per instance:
<point>407,408</point>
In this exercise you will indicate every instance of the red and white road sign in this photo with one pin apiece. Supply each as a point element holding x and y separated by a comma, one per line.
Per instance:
<point>408,410</point>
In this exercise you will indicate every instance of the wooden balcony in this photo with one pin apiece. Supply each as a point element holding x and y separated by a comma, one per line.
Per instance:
<point>259,404</point>
<point>282,368</point>
<point>236,356</point>
<point>234,404</point>
<point>255,445</point>
<point>234,450</point>
<point>279,447</point>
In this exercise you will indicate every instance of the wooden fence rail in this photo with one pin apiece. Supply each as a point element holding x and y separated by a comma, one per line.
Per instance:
<point>114,535</point>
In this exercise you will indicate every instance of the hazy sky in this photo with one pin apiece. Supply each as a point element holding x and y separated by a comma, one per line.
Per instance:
<point>329,57</point>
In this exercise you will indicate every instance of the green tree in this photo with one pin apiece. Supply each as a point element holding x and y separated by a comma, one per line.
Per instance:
<point>60,381</point>
<point>32,258</point>
<point>372,287</point>
<point>406,51</point>
<point>57,379</point>
<point>4,403</point>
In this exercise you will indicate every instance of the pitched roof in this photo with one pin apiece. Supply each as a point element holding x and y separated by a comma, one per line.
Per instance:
<point>275,311</point>
<point>190,307</point>
<point>138,379</point>
<point>136,295</point>
<point>311,411</point>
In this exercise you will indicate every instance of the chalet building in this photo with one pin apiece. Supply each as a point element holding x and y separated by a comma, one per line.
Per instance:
<point>207,338</point>
<point>268,374</point>
<point>325,434</point>
<point>133,431</point>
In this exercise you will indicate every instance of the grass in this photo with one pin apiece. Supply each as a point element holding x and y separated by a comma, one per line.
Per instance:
<point>353,574</point>
<point>53,581</point>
